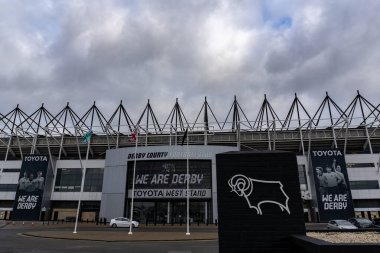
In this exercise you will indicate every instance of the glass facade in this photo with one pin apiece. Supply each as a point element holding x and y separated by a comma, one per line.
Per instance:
<point>94,180</point>
<point>364,185</point>
<point>171,211</point>
<point>360,165</point>
<point>68,180</point>
<point>8,187</point>
<point>11,170</point>
<point>302,177</point>
<point>164,178</point>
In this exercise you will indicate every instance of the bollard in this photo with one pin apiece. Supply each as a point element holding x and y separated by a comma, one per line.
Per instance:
<point>23,223</point>
<point>13,223</point>
<point>32,224</point>
<point>216,222</point>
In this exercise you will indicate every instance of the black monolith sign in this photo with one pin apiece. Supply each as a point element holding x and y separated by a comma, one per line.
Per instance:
<point>259,201</point>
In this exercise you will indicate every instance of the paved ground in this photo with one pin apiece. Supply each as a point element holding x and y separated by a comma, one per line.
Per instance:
<point>14,238</point>
<point>93,232</point>
<point>38,237</point>
<point>122,236</point>
<point>21,237</point>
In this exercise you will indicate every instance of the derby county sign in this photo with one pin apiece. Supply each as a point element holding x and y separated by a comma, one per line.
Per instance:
<point>259,201</point>
<point>168,179</point>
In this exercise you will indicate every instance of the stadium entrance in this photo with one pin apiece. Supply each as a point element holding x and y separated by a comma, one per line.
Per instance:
<point>171,212</point>
<point>163,176</point>
<point>164,183</point>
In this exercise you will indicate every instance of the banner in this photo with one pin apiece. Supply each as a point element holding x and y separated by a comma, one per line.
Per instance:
<point>30,189</point>
<point>332,185</point>
<point>168,179</point>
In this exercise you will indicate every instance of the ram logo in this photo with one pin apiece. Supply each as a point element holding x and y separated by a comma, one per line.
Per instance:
<point>251,188</point>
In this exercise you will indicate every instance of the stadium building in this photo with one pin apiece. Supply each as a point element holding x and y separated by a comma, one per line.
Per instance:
<point>110,150</point>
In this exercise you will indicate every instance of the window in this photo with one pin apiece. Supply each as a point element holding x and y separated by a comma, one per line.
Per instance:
<point>68,180</point>
<point>11,170</point>
<point>360,165</point>
<point>302,177</point>
<point>364,185</point>
<point>93,181</point>
<point>8,187</point>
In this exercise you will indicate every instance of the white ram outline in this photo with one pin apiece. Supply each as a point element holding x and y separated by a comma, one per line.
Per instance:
<point>245,189</point>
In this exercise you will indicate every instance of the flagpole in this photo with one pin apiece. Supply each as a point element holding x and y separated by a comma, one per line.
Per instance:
<point>133,183</point>
<point>83,168</point>
<point>187,188</point>
<point>53,166</point>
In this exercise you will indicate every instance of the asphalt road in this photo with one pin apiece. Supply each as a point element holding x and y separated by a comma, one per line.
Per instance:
<point>11,240</point>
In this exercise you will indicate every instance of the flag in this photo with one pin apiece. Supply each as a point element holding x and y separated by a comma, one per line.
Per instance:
<point>87,137</point>
<point>133,136</point>
<point>184,137</point>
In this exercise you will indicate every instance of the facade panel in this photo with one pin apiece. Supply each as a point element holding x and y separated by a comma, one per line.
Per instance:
<point>115,182</point>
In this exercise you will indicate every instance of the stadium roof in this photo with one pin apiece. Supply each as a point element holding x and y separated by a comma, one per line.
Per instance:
<point>353,129</point>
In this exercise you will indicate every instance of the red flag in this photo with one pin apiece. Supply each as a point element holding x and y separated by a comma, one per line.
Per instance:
<point>134,136</point>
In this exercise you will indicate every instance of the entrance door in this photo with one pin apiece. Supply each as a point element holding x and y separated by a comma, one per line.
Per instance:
<point>161,212</point>
<point>197,212</point>
<point>179,212</point>
<point>144,212</point>
<point>157,212</point>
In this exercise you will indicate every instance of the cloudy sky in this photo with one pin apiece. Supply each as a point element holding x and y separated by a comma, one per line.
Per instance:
<point>55,52</point>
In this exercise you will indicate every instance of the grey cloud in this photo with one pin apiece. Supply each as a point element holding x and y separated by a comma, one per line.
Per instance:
<point>112,50</point>
<point>325,56</point>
